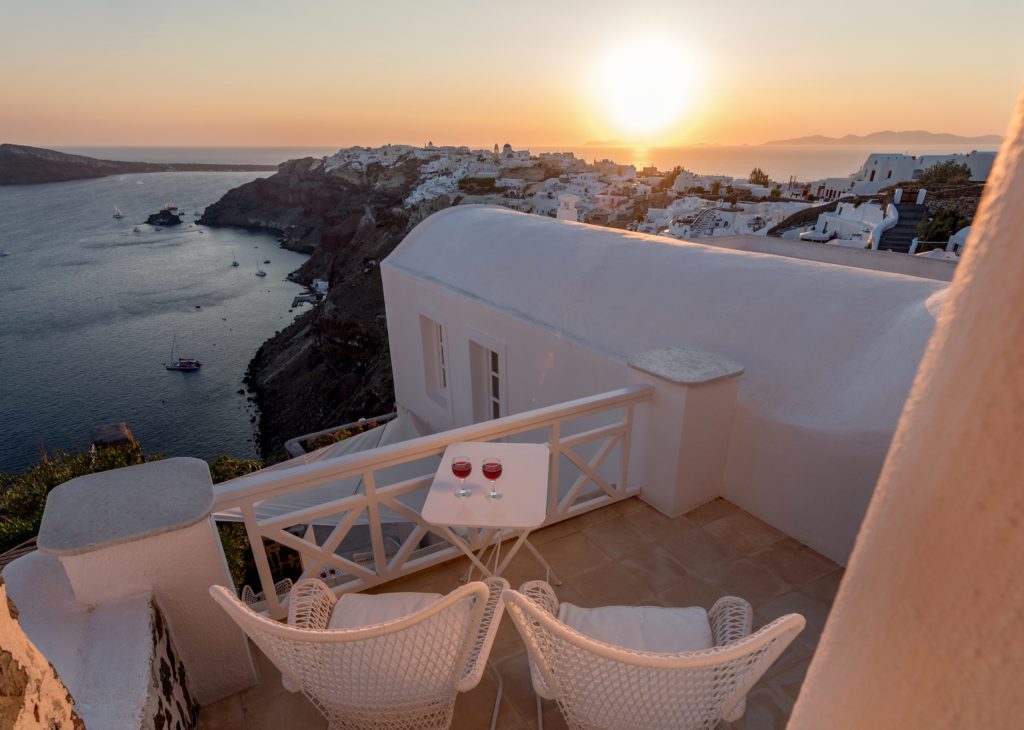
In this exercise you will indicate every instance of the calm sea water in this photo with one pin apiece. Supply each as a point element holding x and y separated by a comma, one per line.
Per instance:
<point>805,163</point>
<point>88,309</point>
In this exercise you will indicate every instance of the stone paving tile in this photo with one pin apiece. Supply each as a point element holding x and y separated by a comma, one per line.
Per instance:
<point>657,526</point>
<point>227,714</point>
<point>711,511</point>
<point>814,610</point>
<point>824,588</point>
<point>746,579</point>
<point>700,552</point>
<point>794,562</point>
<point>744,533</point>
<point>625,554</point>
<point>617,537</point>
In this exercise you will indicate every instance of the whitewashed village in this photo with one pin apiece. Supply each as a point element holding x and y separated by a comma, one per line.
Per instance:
<point>693,205</point>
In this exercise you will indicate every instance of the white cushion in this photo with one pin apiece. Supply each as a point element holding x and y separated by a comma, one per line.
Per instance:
<point>642,628</point>
<point>354,610</point>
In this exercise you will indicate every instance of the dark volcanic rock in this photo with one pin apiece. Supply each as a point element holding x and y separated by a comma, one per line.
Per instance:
<point>332,365</point>
<point>164,218</point>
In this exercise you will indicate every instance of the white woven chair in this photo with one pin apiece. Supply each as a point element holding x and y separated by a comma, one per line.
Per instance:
<point>609,686</point>
<point>251,597</point>
<point>388,661</point>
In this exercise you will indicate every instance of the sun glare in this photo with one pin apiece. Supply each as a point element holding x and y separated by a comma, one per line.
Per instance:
<point>645,85</point>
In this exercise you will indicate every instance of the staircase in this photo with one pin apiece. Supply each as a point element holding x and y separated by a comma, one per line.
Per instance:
<point>900,236</point>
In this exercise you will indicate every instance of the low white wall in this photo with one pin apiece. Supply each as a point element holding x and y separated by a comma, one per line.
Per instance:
<point>857,258</point>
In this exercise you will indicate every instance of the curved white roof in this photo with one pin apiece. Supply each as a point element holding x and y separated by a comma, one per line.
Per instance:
<point>824,346</point>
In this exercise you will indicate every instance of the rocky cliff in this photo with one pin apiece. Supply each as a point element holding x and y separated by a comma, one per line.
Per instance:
<point>22,165</point>
<point>332,365</point>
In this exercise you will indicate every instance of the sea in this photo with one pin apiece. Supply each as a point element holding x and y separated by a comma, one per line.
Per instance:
<point>89,310</point>
<point>780,161</point>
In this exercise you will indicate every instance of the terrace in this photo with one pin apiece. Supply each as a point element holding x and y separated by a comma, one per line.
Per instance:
<point>625,553</point>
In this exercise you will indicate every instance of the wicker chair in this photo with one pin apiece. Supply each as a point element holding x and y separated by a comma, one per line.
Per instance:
<point>605,685</point>
<point>394,660</point>
<point>251,597</point>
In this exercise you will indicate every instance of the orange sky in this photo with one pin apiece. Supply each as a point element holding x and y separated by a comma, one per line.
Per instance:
<point>332,73</point>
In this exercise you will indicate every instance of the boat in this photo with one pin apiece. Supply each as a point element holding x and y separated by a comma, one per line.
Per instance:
<point>137,229</point>
<point>260,272</point>
<point>266,261</point>
<point>185,364</point>
<point>117,213</point>
<point>170,206</point>
<point>234,261</point>
<point>4,254</point>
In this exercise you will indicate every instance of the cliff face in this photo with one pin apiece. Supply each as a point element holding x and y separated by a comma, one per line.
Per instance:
<point>332,365</point>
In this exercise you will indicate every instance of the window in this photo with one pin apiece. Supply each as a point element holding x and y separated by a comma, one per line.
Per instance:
<point>488,400</point>
<point>435,360</point>
<point>888,174</point>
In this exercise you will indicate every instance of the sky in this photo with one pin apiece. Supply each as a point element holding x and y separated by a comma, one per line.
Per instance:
<point>305,73</point>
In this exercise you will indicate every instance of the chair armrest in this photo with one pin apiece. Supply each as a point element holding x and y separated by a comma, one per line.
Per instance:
<point>731,619</point>
<point>310,604</point>
<point>484,640</point>
<point>542,594</point>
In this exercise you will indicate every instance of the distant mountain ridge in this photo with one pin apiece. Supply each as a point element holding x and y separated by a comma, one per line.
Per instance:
<point>911,137</point>
<point>23,165</point>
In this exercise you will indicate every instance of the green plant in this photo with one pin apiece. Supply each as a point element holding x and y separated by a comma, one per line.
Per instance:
<point>949,172</point>
<point>941,226</point>
<point>226,467</point>
<point>23,496</point>
<point>759,177</point>
<point>716,187</point>
<point>776,192</point>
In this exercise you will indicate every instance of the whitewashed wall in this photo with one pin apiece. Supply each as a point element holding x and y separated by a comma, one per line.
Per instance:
<point>829,351</point>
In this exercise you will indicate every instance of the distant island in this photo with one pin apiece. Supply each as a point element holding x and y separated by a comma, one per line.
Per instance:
<point>918,138</point>
<point>22,165</point>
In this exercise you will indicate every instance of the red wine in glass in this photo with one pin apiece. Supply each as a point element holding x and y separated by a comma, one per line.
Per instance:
<point>462,467</point>
<point>492,472</point>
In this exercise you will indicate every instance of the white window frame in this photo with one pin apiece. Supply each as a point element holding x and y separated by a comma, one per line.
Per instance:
<point>484,376</point>
<point>436,352</point>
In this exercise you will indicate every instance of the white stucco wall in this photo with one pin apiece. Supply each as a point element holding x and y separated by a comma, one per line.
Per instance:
<point>829,351</point>
<point>926,629</point>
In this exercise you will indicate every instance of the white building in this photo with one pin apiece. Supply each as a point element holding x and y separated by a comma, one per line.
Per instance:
<point>849,224</point>
<point>573,304</point>
<point>881,170</point>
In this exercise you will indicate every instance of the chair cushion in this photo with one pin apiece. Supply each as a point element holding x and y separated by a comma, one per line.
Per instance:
<point>360,609</point>
<point>642,628</point>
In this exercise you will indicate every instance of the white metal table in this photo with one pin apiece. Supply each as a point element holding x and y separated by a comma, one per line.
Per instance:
<point>521,509</point>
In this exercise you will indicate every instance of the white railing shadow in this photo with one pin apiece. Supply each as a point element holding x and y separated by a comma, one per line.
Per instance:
<point>599,456</point>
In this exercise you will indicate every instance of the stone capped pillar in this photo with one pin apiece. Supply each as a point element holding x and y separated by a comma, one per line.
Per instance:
<point>682,443</point>
<point>147,530</point>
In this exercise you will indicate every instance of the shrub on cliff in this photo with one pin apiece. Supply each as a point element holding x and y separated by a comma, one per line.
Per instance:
<point>939,228</point>
<point>945,173</point>
<point>23,496</point>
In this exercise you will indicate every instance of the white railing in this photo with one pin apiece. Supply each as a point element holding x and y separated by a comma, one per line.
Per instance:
<point>566,428</point>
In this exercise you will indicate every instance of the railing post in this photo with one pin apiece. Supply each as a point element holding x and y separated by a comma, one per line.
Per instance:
<point>146,530</point>
<point>259,556</point>
<point>683,437</point>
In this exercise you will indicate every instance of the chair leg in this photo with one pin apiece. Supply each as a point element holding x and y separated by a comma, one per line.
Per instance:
<point>497,698</point>
<point>540,715</point>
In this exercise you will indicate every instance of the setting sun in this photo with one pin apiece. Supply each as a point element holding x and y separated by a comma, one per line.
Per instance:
<point>646,85</point>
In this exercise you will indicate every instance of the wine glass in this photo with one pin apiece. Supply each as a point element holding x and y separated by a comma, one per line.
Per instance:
<point>462,467</point>
<point>492,472</point>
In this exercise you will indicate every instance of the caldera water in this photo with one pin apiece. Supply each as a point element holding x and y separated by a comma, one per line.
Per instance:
<point>88,310</point>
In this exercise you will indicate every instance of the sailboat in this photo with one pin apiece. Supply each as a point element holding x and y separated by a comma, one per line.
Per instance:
<point>117,213</point>
<point>259,271</point>
<point>234,261</point>
<point>186,364</point>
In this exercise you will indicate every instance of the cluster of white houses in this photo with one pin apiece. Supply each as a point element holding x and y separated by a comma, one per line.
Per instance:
<point>882,170</point>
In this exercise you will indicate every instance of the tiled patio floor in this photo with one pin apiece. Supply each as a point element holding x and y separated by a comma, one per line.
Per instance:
<point>627,553</point>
